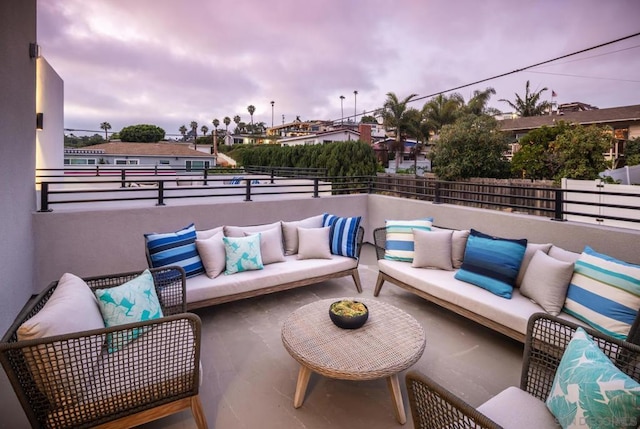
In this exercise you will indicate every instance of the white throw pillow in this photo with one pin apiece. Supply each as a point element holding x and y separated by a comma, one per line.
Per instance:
<point>546,282</point>
<point>238,231</point>
<point>208,233</point>
<point>458,245</point>
<point>270,245</point>
<point>313,243</point>
<point>212,253</point>
<point>563,255</point>
<point>432,249</point>
<point>532,248</point>
<point>71,308</point>
<point>290,232</point>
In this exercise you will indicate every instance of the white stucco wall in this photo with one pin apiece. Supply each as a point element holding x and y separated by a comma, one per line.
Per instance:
<point>50,102</point>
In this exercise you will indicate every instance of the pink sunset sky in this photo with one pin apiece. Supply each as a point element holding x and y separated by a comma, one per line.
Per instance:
<point>168,62</point>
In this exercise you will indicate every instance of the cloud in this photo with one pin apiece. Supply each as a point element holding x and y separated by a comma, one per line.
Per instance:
<point>168,63</point>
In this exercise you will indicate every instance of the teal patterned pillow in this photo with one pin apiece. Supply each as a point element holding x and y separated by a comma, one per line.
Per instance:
<point>243,253</point>
<point>133,301</point>
<point>589,391</point>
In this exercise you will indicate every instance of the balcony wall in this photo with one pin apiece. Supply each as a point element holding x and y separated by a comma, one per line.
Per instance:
<point>103,241</point>
<point>95,242</point>
<point>618,242</point>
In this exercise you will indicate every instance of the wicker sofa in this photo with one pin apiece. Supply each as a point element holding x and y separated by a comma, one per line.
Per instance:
<point>433,406</point>
<point>74,380</point>
<point>289,272</point>
<point>479,305</point>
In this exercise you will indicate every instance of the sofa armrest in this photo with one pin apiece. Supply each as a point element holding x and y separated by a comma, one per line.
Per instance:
<point>380,241</point>
<point>433,406</point>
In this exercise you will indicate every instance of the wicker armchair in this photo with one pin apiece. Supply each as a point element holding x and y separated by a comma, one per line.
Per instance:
<point>155,375</point>
<point>434,407</point>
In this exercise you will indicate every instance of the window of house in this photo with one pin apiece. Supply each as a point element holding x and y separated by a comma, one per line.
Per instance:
<point>197,165</point>
<point>127,162</point>
<point>164,162</point>
<point>80,161</point>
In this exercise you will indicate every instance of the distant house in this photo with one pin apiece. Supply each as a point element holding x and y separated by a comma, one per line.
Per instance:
<point>625,122</point>
<point>175,155</point>
<point>321,138</point>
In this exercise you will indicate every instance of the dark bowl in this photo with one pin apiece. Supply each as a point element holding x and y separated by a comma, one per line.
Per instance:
<point>348,322</point>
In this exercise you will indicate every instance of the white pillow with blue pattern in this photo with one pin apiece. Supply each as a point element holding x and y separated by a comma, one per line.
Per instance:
<point>133,301</point>
<point>242,253</point>
<point>604,292</point>
<point>590,391</point>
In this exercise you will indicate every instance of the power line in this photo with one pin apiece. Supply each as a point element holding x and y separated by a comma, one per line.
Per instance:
<point>514,71</point>
<point>586,77</point>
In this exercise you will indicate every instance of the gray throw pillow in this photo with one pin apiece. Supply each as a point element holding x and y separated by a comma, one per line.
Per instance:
<point>313,243</point>
<point>458,244</point>
<point>546,282</point>
<point>528,254</point>
<point>212,253</point>
<point>290,232</point>
<point>432,249</point>
<point>270,245</point>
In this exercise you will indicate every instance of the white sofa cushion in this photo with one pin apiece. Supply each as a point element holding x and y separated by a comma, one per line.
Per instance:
<point>513,313</point>
<point>238,231</point>
<point>201,288</point>
<point>515,408</point>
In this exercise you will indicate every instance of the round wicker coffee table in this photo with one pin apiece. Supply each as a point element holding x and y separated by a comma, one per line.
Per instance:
<point>390,342</point>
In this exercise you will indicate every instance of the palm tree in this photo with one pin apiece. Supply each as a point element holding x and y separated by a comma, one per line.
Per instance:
<point>204,129</point>
<point>105,126</point>
<point>477,104</point>
<point>251,108</point>
<point>226,121</point>
<point>394,115</point>
<point>531,104</point>
<point>183,131</point>
<point>215,123</point>
<point>419,128</point>
<point>236,120</point>
<point>442,110</point>
<point>194,128</point>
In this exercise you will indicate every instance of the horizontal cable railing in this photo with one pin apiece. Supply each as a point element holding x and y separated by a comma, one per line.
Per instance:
<point>88,186</point>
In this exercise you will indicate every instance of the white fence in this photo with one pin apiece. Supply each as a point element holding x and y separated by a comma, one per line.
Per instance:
<point>597,203</point>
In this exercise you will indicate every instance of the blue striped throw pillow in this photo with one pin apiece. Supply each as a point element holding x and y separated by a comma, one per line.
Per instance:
<point>343,234</point>
<point>175,248</point>
<point>604,292</point>
<point>492,262</point>
<point>399,244</point>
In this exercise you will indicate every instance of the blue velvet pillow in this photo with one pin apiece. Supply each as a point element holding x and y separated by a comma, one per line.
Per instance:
<point>343,235</point>
<point>175,248</point>
<point>492,262</point>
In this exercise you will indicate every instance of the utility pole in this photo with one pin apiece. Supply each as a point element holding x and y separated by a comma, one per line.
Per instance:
<point>272,103</point>
<point>355,105</point>
<point>341,110</point>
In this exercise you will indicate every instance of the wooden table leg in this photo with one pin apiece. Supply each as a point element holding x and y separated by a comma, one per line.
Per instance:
<point>301,386</point>
<point>396,395</point>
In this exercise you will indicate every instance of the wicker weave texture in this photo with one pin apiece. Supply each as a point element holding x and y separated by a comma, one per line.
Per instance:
<point>390,341</point>
<point>84,390</point>
<point>433,406</point>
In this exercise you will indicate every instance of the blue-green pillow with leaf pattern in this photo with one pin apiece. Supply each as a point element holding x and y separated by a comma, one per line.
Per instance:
<point>590,392</point>
<point>243,253</point>
<point>133,301</point>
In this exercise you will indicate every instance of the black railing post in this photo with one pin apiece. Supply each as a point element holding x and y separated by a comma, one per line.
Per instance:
<point>248,189</point>
<point>206,176</point>
<point>273,174</point>
<point>44,197</point>
<point>316,183</point>
<point>155,170</point>
<point>123,177</point>
<point>370,184</point>
<point>436,193</point>
<point>160,193</point>
<point>97,170</point>
<point>559,210</point>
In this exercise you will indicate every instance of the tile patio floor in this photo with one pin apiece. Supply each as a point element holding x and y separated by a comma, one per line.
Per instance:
<point>249,378</point>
